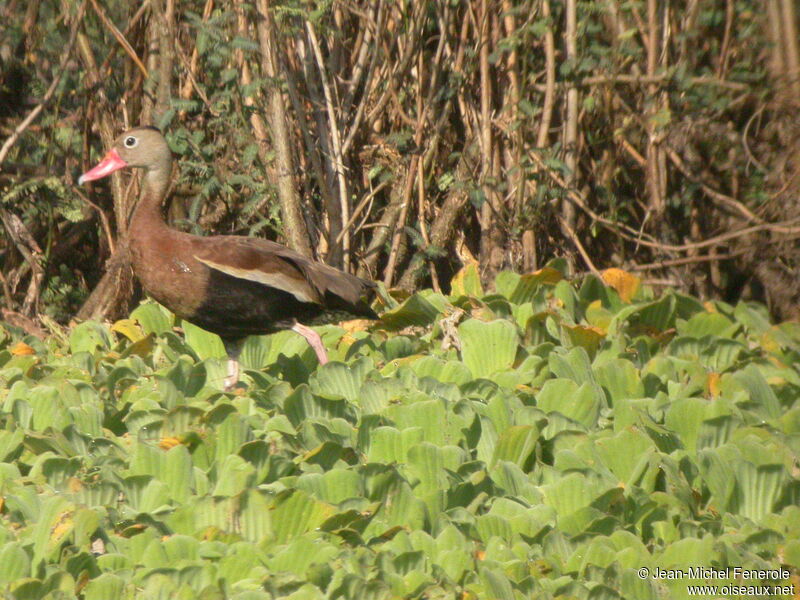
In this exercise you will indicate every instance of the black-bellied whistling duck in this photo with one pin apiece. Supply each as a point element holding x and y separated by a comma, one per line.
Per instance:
<point>233,286</point>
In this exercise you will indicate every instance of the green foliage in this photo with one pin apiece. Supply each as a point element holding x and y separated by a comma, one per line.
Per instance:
<point>534,455</point>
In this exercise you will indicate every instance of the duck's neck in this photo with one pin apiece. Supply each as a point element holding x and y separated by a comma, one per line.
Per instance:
<point>148,217</point>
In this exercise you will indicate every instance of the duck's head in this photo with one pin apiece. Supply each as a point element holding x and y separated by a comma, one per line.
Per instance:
<point>140,147</point>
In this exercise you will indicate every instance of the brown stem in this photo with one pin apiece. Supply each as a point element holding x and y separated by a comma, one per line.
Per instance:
<point>191,68</point>
<point>104,223</point>
<point>571,124</point>
<point>577,242</point>
<point>722,64</point>
<point>165,28</point>
<point>445,225</point>
<point>492,237</point>
<point>674,262</point>
<point>321,147</point>
<point>30,251</point>
<point>336,146</point>
<point>4,150</point>
<point>397,237</point>
<point>654,153</point>
<point>294,225</point>
<point>119,37</point>
<point>791,49</point>
<point>111,297</point>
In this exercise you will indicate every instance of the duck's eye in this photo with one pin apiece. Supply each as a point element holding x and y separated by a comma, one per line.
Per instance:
<point>130,141</point>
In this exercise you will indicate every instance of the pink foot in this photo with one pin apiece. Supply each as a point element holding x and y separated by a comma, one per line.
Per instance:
<point>233,374</point>
<point>313,339</point>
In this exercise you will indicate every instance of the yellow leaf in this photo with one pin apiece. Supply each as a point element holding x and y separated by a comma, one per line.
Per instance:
<point>347,339</point>
<point>547,275</point>
<point>467,282</point>
<point>62,527</point>
<point>712,385</point>
<point>599,317</point>
<point>142,347</point>
<point>168,442</point>
<point>133,530</point>
<point>129,328</point>
<point>483,313</point>
<point>769,343</point>
<point>22,349</point>
<point>82,581</point>
<point>587,337</point>
<point>355,325</point>
<point>623,282</point>
<point>710,307</point>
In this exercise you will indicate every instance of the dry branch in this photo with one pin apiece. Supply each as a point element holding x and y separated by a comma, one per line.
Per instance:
<point>295,227</point>
<point>19,129</point>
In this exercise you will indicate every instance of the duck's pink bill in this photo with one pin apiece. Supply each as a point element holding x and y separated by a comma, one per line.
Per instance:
<point>111,162</point>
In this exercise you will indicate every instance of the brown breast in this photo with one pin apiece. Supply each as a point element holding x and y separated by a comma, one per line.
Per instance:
<point>169,273</point>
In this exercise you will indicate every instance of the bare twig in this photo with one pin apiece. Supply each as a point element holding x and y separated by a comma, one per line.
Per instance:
<point>119,37</point>
<point>6,289</point>
<point>722,64</point>
<point>31,252</point>
<point>674,262</point>
<point>357,211</point>
<point>338,159</point>
<point>571,124</point>
<point>103,220</point>
<point>104,67</point>
<point>787,228</point>
<point>391,265</point>
<point>296,231</point>
<point>550,79</point>
<point>191,66</point>
<point>50,90</point>
<point>574,238</point>
<point>721,198</point>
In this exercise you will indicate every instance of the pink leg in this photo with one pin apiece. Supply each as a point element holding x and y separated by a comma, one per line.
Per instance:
<point>233,374</point>
<point>312,337</point>
<point>233,348</point>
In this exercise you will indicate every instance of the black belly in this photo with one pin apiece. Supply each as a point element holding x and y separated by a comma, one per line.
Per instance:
<point>234,308</point>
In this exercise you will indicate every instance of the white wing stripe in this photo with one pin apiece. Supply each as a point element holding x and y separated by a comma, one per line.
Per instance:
<point>275,280</point>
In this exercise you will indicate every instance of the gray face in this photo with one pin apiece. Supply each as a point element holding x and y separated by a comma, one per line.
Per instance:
<point>143,147</point>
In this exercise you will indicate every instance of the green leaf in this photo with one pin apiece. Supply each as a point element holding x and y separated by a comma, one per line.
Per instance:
<point>450,371</point>
<point>14,562</point>
<point>389,445</point>
<point>416,310</point>
<point>339,380</point>
<point>496,584</point>
<point>620,379</point>
<point>579,403</point>
<point>107,585</point>
<point>684,417</point>
<point>757,488</point>
<point>88,337</point>
<point>234,475</point>
<point>627,455</point>
<point>296,513</point>
<point>204,343</point>
<point>153,318</point>
<point>705,323</point>
<point>467,282</point>
<point>760,392</point>
<point>487,348</point>
<point>516,444</point>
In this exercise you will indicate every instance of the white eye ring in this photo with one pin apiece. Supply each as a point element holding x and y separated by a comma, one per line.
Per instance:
<point>130,142</point>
